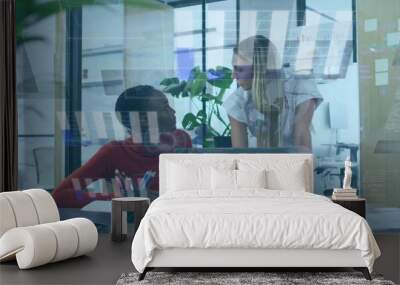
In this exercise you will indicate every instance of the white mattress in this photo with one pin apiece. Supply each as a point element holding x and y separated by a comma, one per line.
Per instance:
<point>252,219</point>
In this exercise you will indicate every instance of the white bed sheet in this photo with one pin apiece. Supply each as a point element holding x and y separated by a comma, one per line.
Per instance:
<point>252,218</point>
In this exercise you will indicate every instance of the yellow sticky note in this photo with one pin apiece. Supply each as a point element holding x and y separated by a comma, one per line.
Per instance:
<point>381,65</point>
<point>393,39</point>
<point>371,25</point>
<point>381,78</point>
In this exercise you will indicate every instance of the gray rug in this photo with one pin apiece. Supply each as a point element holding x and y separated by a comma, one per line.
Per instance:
<point>225,278</point>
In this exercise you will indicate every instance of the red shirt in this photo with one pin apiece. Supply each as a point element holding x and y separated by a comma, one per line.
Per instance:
<point>126,156</point>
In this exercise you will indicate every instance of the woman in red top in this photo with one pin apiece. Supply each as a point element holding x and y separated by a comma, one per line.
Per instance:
<point>137,109</point>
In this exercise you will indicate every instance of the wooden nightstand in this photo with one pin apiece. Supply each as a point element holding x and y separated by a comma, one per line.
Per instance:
<point>137,205</point>
<point>356,205</point>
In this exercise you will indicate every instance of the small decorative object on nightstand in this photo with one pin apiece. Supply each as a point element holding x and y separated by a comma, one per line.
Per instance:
<point>345,193</point>
<point>357,205</point>
<point>137,205</point>
<point>347,174</point>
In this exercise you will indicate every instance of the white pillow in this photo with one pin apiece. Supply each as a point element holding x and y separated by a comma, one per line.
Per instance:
<point>223,179</point>
<point>288,179</point>
<point>189,175</point>
<point>284,174</point>
<point>251,178</point>
<point>183,178</point>
<point>227,179</point>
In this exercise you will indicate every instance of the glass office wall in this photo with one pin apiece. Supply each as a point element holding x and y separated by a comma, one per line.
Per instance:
<point>104,89</point>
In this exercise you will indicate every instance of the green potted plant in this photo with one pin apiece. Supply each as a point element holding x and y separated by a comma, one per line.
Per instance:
<point>197,88</point>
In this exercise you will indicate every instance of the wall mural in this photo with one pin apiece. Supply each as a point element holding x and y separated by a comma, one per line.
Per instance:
<point>156,78</point>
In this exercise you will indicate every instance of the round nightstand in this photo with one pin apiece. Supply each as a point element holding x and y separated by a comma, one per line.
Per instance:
<point>137,205</point>
<point>357,205</point>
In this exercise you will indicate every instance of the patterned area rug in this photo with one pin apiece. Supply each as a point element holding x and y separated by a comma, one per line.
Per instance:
<point>225,278</point>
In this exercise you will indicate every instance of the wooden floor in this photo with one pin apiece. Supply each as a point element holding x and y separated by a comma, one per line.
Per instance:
<point>103,266</point>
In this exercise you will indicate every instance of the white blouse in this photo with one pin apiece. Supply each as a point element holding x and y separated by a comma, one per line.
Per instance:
<point>296,91</point>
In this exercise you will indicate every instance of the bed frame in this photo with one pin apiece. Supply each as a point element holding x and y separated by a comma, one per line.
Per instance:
<point>242,259</point>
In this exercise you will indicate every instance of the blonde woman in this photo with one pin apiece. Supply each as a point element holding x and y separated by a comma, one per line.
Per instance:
<point>276,111</point>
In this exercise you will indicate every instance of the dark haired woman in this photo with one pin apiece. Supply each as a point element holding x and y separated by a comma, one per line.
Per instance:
<point>151,123</point>
<point>276,111</point>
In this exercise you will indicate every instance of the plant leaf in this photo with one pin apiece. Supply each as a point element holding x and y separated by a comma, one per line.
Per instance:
<point>189,122</point>
<point>169,81</point>
<point>220,77</point>
<point>198,83</point>
<point>145,4</point>
<point>197,87</point>
<point>184,92</point>
<point>201,116</point>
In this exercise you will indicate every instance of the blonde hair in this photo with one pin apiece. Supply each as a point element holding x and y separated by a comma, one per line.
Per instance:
<point>267,91</point>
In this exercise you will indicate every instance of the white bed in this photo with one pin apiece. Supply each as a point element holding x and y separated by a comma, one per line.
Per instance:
<point>205,226</point>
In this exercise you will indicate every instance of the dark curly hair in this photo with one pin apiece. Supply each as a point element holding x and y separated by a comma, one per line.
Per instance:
<point>141,100</point>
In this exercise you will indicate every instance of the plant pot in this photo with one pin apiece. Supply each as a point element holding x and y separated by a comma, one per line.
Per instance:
<point>222,141</point>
